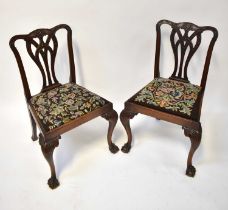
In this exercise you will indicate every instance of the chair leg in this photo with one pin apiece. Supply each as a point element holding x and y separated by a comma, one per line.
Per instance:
<point>195,137</point>
<point>112,117</point>
<point>34,129</point>
<point>125,117</point>
<point>47,150</point>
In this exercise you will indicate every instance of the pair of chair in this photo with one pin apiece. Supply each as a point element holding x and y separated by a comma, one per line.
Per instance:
<point>59,108</point>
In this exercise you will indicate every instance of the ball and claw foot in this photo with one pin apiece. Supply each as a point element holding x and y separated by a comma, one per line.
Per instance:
<point>113,148</point>
<point>34,138</point>
<point>126,148</point>
<point>190,171</point>
<point>53,183</point>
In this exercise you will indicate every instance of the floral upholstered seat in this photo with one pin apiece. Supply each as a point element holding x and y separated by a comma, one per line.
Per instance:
<point>170,95</point>
<point>63,104</point>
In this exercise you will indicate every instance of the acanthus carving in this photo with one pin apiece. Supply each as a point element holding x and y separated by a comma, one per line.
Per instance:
<point>46,144</point>
<point>127,114</point>
<point>110,115</point>
<point>40,33</point>
<point>186,26</point>
<point>191,133</point>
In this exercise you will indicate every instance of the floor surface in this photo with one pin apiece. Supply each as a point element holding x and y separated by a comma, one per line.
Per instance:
<point>151,176</point>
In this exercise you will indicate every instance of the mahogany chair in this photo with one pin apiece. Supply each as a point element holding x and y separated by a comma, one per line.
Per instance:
<point>58,108</point>
<point>174,99</point>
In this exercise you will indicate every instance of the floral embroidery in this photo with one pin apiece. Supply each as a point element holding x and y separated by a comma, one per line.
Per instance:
<point>170,95</point>
<point>64,103</point>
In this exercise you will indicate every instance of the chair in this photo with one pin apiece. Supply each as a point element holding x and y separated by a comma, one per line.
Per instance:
<point>174,99</point>
<point>58,108</point>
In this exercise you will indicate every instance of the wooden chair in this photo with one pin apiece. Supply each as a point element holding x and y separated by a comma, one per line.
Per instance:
<point>174,99</point>
<point>58,108</point>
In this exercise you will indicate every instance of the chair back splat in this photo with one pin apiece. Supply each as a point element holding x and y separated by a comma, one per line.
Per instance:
<point>42,46</point>
<point>185,38</point>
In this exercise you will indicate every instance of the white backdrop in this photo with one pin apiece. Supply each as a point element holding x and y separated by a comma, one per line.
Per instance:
<point>114,45</point>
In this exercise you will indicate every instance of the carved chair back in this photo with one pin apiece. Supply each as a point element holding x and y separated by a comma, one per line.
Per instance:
<point>42,46</point>
<point>185,39</point>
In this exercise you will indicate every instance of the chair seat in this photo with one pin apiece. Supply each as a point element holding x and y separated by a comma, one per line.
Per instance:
<point>63,104</point>
<point>169,95</point>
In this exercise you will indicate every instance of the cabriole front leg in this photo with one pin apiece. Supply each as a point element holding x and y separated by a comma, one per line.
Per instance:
<point>112,117</point>
<point>47,148</point>
<point>195,137</point>
<point>125,117</point>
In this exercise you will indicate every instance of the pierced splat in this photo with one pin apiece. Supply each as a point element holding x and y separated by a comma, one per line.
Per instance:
<point>187,43</point>
<point>185,39</point>
<point>42,47</point>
